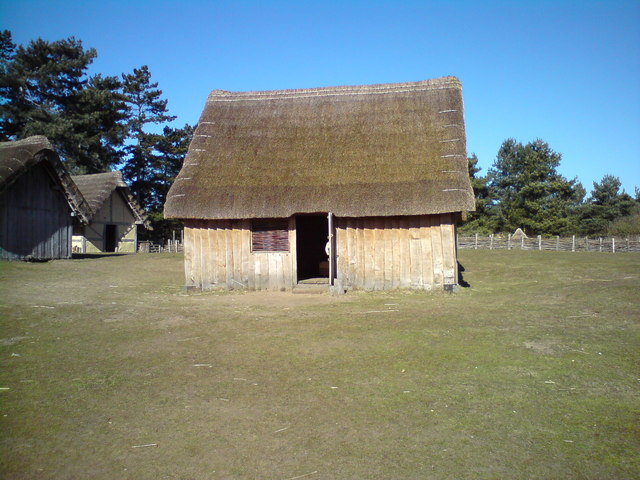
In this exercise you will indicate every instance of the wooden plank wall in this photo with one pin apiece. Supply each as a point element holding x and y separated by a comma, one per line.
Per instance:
<point>35,219</point>
<point>218,254</point>
<point>382,253</point>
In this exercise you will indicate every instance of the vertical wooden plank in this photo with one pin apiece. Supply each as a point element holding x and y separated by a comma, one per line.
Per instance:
<point>354,264</point>
<point>257,269</point>
<point>395,253</point>
<point>367,253</point>
<point>448,250</point>
<point>359,280</point>
<point>415,252</point>
<point>350,260</point>
<point>387,232</point>
<point>219,275</point>
<point>228,234</point>
<point>222,254</point>
<point>264,270</point>
<point>379,253</point>
<point>204,258</point>
<point>426,224</point>
<point>436,245</point>
<point>293,269</point>
<point>196,259</point>
<point>214,248</point>
<point>280,267</point>
<point>245,247</point>
<point>236,236</point>
<point>342,250</point>
<point>346,251</point>
<point>272,280</point>
<point>404,257</point>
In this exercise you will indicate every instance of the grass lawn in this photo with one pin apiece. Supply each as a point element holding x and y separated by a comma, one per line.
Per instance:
<point>109,370</point>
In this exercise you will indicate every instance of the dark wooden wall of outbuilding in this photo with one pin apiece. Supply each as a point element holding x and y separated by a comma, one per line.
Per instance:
<point>35,218</point>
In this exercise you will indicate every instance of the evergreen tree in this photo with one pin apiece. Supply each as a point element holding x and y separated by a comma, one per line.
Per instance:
<point>171,149</point>
<point>45,90</point>
<point>482,220</point>
<point>605,205</point>
<point>530,194</point>
<point>146,108</point>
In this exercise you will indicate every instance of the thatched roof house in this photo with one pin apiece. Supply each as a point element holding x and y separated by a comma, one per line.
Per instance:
<point>115,215</point>
<point>38,202</point>
<point>387,162</point>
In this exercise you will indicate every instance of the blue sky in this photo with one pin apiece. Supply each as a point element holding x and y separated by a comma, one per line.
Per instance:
<point>565,72</point>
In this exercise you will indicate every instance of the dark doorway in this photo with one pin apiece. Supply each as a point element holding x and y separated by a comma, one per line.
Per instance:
<point>311,239</point>
<point>110,238</point>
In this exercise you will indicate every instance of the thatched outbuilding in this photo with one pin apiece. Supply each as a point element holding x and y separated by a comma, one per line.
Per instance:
<point>115,215</point>
<point>39,203</point>
<point>380,171</point>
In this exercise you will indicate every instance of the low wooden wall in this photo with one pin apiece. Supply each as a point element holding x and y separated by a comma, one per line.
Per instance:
<point>217,254</point>
<point>35,219</point>
<point>383,253</point>
<point>373,253</point>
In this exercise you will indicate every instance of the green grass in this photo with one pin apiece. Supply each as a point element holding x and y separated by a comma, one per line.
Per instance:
<point>532,372</point>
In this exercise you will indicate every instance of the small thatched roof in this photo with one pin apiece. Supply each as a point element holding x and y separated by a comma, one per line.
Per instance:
<point>98,187</point>
<point>18,157</point>
<point>377,150</point>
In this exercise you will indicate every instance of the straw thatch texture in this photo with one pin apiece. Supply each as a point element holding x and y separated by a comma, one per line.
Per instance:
<point>378,150</point>
<point>16,158</point>
<point>97,188</point>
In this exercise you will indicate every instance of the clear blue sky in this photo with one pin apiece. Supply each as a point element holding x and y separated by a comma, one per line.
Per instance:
<point>565,72</point>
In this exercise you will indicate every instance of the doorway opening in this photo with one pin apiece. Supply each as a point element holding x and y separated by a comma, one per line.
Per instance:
<point>110,238</point>
<point>311,239</point>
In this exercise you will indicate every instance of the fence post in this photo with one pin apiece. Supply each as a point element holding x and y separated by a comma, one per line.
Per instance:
<point>627,244</point>
<point>476,247</point>
<point>491,242</point>
<point>586,243</point>
<point>600,244</point>
<point>509,241</point>
<point>613,244</point>
<point>557,242</point>
<point>573,243</point>
<point>522,243</point>
<point>539,242</point>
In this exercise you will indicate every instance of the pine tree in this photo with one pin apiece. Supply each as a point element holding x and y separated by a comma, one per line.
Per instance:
<point>482,220</point>
<point>530,193</point>
<point>45,90</point>
<point>146,108</point>
<point>605,205</point>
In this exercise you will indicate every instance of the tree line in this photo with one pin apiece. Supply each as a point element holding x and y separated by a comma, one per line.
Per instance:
<point>98,123</point>
<point>523,189</point>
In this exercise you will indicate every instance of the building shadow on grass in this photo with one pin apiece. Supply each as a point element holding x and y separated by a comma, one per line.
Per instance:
<point>461,281</point>
<point>82,256</point>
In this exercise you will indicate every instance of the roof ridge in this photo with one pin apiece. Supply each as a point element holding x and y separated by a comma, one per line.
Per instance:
<point>380,88</point>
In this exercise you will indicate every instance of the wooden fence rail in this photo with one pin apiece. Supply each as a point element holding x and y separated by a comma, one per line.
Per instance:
<point>169,246</point>
<point>563,244</point>
<point>490,242</point>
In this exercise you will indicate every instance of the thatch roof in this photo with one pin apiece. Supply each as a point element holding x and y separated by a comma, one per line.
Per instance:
<point>98,187</point>
<point>18,157</point>
<point>377,150</point>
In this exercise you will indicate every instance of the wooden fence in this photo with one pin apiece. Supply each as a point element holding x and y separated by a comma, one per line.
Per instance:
<point>490,242</point>
<point>564,244</point>
<point>168,246</point>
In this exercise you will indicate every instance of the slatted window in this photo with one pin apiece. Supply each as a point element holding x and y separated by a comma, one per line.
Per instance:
<point>270,235</point>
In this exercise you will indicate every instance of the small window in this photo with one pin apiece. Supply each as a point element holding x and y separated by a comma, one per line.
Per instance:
<point>270,235</point>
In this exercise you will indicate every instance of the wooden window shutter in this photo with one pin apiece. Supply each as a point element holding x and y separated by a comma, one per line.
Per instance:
<point>270,235</point>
